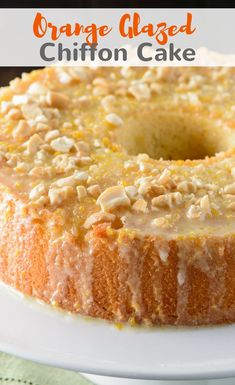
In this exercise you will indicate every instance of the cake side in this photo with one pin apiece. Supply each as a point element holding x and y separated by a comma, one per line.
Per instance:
<point>117,275</point>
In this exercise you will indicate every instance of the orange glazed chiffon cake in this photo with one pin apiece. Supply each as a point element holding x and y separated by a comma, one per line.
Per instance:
<point>118,192</point>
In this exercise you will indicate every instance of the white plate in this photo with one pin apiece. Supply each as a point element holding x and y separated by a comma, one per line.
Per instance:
<point>36,332</point>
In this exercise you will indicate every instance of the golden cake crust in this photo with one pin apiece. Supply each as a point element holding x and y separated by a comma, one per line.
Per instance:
<point>203,294</point>
<point>90,226</point>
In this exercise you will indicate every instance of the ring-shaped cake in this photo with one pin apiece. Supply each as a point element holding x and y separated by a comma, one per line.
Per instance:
<point>118,192</point>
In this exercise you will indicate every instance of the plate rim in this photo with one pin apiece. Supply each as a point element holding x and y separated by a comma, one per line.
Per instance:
<point>203,375</point>
<point>15,301</point>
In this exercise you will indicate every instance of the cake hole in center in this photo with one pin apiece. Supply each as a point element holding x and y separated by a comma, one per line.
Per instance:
<point>173,136</point>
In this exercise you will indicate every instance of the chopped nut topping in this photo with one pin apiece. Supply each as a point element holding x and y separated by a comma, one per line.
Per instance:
<point>85,160</point>
<point>132,193</point>
<point>41,127</point>
<point>73,180</point>
<point>166,180</point>
<point>62,144</point>
<point>114,119</point>
<point>233,171</point>
<point>127,72</point>
<point>193,212</point>
<point>98,217</point>
<point>231,206</point>
<point>22,167</point>
<point>41,171</point>
<point>67,125</point>
<point>229,189</point>
<point>156,87</point>
<point>58,195</point>
<point>149,76</point>
<point>100,91</point>
<point>34,143</point>
<point>160,222</point>
<point>52,135</point>
<point>108,102</point>
<point>94,190</point>
<point>5,106</point>
<point>102,82</point>
<point>187,187</point>
<point>193,98</point>
<point>42,201</point>
<point>32,111</point>
<point>2,156</point>
<point>59,146</point>
<point>65,163</point>
<point>82,148</point>
<point>57,100</point>
<point>140,91</point>
<point>18,100</point>
<point>112,198</point>
<point>163,73</point>
<point>14,114</point>
<point>205,204</point>
<point>22,130</point>
<point>140,205</point>
<point>38,191</point>
<point>36,88</point>
<point>168,200</point>
<point>12,159</point>
<point>64,77</point>
<point>144,188</point>
<point>81,192</point>
<point>157,190</point>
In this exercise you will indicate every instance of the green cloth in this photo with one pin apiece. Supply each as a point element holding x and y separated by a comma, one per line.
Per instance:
<point>15,371</point>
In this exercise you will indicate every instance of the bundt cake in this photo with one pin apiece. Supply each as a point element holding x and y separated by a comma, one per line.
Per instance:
<point>118,192</point>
